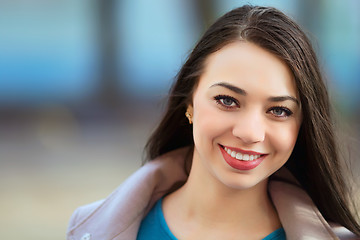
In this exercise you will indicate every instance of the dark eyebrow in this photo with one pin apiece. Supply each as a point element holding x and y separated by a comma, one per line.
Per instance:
<point>243,92</point>
<point>283,98</point>
<point>230,87</point>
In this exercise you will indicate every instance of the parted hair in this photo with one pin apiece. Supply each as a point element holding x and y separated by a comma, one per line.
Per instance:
<point>314,161</point>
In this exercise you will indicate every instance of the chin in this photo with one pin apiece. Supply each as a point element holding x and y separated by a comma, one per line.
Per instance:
<point>243,182</point>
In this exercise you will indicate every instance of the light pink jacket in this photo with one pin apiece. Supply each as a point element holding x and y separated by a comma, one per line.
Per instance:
<point>118,216</point>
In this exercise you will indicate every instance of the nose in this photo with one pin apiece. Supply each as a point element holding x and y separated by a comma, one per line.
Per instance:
<point>250,128</point>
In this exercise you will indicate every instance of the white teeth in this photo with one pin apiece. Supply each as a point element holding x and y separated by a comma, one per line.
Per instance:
<point>240,156</point>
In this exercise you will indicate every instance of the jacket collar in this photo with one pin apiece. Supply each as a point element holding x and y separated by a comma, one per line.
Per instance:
<point>119,215</point>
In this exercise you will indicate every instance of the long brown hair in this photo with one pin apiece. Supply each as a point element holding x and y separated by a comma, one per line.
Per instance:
<point>314,161</point>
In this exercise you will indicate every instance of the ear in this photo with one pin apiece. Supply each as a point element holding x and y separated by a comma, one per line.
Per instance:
<point>189,113</point>
<point>190,109</point>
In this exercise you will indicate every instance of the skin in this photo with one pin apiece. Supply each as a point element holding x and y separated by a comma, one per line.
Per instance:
<point>246,99</point>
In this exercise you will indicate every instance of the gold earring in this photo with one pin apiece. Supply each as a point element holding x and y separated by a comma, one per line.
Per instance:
<point>188,115</point>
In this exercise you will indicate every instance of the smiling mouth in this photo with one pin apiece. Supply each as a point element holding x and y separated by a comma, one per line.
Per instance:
<point>242,155</point>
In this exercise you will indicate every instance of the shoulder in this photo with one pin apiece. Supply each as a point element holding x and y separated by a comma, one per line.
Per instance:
<point>121,212</point>
<point>342,232</point>
<point>298,212</point>
<point>82,213</point>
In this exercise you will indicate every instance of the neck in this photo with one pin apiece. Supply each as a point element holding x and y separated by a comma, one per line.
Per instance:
<point>208,202</point>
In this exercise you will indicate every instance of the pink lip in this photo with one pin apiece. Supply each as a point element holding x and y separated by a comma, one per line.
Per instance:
<point>240,164</point>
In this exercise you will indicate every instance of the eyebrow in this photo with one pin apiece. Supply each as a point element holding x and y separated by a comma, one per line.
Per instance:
<point>230,87</point>
<point>284,98</point>
<point>244,93</point>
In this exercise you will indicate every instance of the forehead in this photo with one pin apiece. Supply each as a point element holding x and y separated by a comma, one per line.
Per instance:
<point>250,67</point>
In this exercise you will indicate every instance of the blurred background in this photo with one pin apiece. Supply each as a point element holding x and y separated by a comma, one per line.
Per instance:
<point>83,83</point>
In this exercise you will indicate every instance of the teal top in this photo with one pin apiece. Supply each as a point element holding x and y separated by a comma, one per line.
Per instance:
<point>154,227</point>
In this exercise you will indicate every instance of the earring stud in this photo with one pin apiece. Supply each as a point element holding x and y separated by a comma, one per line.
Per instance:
<point>188,115</point>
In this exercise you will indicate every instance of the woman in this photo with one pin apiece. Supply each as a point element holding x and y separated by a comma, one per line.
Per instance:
<point>245,149</point>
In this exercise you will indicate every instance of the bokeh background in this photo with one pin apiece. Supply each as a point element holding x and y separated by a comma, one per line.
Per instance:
<point>83,83</point>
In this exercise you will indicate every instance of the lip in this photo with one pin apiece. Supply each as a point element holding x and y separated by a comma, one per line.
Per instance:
<point>243,151</point>
<point>240,164</point>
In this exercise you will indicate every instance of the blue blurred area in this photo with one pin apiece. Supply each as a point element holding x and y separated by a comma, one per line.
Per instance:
<point>54,50</point>
<point>48,51</point>
<point>339,37</point>
<point>289,7</point>
<point>155,37</point>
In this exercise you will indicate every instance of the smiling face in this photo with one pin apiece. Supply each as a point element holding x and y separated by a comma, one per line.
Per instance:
<point>246,116</point>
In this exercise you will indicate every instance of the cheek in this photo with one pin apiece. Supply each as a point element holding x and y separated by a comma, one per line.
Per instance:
<point>284,138</point>
<point>207,122</point>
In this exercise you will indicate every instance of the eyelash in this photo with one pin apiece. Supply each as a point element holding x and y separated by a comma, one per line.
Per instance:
<point>287,111</point>
<point>220,98</point>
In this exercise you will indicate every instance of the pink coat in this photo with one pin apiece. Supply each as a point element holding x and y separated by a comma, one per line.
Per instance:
<point>118,216</point>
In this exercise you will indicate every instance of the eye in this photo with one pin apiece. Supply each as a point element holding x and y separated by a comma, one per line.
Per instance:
<point>281,112</point>
<point>226,101</point>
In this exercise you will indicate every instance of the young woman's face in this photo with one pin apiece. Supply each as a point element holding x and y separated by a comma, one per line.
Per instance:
<point>246,115</point>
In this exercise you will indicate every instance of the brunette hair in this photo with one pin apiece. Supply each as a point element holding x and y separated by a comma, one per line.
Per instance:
<point>314,161</point>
